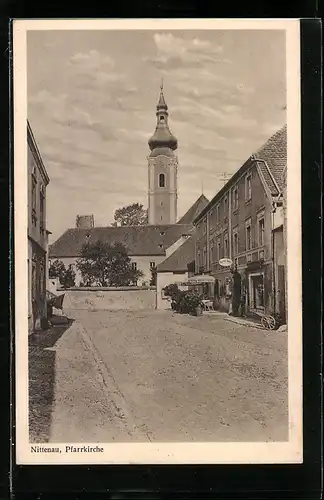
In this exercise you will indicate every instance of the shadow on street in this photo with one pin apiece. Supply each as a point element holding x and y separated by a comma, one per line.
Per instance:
<point>41,369</point>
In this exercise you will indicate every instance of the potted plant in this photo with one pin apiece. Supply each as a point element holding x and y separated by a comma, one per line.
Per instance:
<point>193,303</point>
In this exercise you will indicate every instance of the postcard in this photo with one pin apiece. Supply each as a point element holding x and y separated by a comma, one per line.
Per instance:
<point>157,219</point>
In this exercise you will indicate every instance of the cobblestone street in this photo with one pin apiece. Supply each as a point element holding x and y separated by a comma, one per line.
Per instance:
<point>159,376</point>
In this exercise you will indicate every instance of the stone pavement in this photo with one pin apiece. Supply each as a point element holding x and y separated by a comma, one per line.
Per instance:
<point>160,376</point>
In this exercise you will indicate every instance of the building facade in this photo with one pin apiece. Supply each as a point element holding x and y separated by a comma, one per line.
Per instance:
<point>174,269</point>
<point>162,170</point>
<point>38,181</point>
<point>146,246</point>
<point>244,223</point>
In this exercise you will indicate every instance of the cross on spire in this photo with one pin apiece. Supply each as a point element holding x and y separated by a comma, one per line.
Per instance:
<point>161,86</point>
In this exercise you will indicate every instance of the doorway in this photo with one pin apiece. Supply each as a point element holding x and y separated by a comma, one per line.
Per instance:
<point>257,291</point>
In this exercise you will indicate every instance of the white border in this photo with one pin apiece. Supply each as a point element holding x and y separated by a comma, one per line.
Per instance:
<point>163,453</point>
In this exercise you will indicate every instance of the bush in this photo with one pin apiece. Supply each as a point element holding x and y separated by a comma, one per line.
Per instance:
<point>183,302</point>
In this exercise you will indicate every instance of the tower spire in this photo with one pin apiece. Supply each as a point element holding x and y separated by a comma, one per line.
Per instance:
<point>162,137</point>
<point>162,169</point>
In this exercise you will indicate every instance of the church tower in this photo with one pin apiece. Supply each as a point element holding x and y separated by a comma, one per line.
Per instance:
<point>162,170</point>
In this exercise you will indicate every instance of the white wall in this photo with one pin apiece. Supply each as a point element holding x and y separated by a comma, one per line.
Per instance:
<point>278,218</point>
<point>143,263</point>
<point>52,285</point>
<point>164,279</point>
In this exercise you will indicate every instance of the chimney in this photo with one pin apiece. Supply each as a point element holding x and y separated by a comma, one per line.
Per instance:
<point>84,222</point>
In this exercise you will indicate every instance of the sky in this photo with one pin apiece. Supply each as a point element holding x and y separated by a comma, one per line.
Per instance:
<point>92,99</point>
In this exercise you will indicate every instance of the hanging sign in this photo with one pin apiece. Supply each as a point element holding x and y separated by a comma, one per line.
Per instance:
<point>225,262</point>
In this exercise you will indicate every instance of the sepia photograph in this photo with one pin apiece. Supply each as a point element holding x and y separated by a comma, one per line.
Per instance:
<point>157,241</point>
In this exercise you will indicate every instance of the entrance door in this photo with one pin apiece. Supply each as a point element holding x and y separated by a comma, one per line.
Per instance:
<point>281,291</point>
<point>257,282</point>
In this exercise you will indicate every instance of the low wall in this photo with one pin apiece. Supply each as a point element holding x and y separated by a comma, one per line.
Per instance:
<point>129,298</point>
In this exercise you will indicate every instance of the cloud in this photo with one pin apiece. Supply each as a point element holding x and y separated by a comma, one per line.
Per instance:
<point>95,68</point>
<point>171,45</point>
<point>175,52</point>
<point>93,110</point>
<point>92,59</point>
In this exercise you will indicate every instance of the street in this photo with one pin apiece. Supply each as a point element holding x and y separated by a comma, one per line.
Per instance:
<point>159,376</point>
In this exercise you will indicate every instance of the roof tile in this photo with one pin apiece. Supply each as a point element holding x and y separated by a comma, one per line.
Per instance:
<point>138,240</point>
<point>274,153</point>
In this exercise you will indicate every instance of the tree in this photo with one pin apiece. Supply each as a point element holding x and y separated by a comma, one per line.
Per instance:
<point>153,276</point>
<point>66,276</point>
<point>102,264</point>
<point>56,269</point>
<point>69,277</point>
<point>131,215</point>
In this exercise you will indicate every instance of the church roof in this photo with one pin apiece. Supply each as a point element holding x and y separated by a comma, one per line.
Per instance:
<point>179,260</point>
<point>194,210</point>
<point>162,137</point>
<point>161,104</point>
<point>138,240</point>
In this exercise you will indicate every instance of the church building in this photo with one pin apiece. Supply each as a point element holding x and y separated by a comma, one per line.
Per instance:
<point>162,170</point>
<point>149,245</point>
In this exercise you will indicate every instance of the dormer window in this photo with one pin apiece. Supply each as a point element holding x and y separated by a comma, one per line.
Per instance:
<point>161,180</point>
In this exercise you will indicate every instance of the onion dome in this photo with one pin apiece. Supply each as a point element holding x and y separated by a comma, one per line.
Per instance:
<point>162,138</point>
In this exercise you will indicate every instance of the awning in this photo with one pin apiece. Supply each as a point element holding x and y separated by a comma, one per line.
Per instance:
<point>201,279</point>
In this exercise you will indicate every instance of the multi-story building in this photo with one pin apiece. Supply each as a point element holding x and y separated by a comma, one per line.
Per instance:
<point>244,223</point>
<point>37,235</point>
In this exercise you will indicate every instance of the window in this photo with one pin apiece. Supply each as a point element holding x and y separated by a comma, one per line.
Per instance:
<point>152,265</point>
<point>161,180</point>
<point>212,248</point>
<point>205,225</point>
<point>235,198</point>
<point>225,206</point>
<point>34,283</point>
<point>134,266</point>
<point>261,231</point>
<point>217,212</point>
<point>235,242</point>
<point>226,254</point>
<point>218,250</point>
<point>248,235</point>
<point>34,196</point>
<point>41,280</point>
<point>162,118</point>
<point>248,187</point>
<point>42,209</point>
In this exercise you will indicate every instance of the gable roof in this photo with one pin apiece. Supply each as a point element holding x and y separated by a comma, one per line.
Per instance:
<point>274,153</point>
<point>138,240</point>
<point>194,210</point>
<point>179,260</point>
